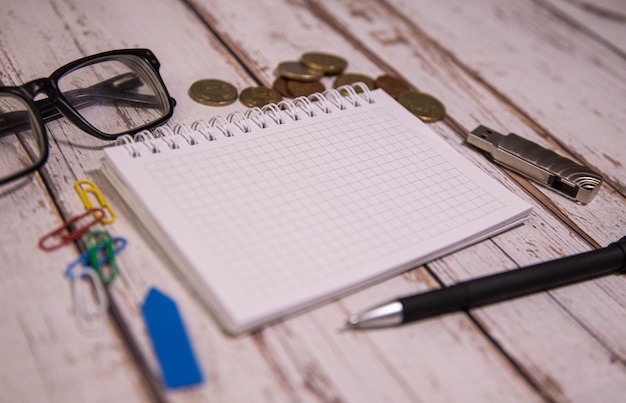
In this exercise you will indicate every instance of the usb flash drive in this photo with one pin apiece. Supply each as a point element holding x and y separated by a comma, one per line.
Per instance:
<point>536,162</point>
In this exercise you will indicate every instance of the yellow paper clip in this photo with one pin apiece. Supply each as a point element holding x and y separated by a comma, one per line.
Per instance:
<point>83,187</point>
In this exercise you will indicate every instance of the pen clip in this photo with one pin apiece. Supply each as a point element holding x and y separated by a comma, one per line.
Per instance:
<point>84,187</point>
<point>66,234</point>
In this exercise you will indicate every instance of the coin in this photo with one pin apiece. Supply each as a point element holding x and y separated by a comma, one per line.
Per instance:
<point>351,78</point>
<point>393,86</point>
<point>324,62</point>
<point>302,88</point>
<point>424,106</point>
<point>298,71</point>
<point>213,92</point>
<point>259,96</point>
<point>280,85</point>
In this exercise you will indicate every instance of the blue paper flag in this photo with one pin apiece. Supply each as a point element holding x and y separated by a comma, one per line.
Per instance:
<point>170,341</point>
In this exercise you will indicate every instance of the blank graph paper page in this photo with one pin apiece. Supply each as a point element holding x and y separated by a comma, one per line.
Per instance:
<point>274,220</point>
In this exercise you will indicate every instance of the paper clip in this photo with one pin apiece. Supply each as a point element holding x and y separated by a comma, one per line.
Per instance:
<point>87,319</point>
<point>83,188</point>
<point>99,242</point>
<point>65,234</point>
<point>119,244</point>
<point>90,320</point>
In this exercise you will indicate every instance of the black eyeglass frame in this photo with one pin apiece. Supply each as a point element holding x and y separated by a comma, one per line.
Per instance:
<point>39,129</point>
<point>57,106</point>
<point>49,86</point>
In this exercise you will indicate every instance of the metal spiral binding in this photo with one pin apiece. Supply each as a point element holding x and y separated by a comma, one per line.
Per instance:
<point>245,122</point>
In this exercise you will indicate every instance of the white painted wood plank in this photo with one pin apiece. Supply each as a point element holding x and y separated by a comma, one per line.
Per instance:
<point>421,59</point>
<point>405,49</point>
<point>603,218</point>
<point>440,359</point>
<point>597,305</point>
<point>74,155</point>
<point>220,385</point>
<point>600,352</point>
<point>604,18</point>
<point>44,355</point>
<point>553,71</point>
<point>521,326</point>
<point>292,362</point>
<point>546,343</point>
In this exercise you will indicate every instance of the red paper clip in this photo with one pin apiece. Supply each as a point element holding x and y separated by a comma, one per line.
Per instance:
<point>65,234</point>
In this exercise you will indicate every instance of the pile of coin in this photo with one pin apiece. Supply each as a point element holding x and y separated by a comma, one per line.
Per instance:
<point>424,106</point>
<point>304,77</point>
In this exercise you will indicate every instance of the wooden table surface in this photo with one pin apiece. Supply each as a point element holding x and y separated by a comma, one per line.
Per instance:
<point>553,71</point>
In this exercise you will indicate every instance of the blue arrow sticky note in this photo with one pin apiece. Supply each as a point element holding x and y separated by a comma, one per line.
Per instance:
<point>170,341</point>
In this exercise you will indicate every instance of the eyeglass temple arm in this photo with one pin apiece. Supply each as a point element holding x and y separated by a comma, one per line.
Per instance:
<point>114,88</point>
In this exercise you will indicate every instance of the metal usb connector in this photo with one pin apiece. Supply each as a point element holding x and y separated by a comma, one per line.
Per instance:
<point>538,163</point>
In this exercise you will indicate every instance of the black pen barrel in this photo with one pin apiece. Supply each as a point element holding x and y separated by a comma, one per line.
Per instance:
<point>516,283</point>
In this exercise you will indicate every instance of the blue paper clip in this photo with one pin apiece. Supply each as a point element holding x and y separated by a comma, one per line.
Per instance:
<point>119,244</point>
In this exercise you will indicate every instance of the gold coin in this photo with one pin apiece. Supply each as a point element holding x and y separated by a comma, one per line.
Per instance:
<point>213,92</point>
<point>351,78</point>
<point>393,86</point>
<point>302,88</point>
<point>298,71</point>
<point>424,106</point>
<point>259,96</point>
<point>324,62</point>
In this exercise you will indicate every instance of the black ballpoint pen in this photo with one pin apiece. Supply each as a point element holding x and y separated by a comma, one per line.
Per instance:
<point>495,288</point>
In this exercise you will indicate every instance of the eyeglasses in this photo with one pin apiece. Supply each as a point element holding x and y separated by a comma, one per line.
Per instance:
<point>106,95</point>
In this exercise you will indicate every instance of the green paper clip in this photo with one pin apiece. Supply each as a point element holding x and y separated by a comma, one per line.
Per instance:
<point>100,241</point>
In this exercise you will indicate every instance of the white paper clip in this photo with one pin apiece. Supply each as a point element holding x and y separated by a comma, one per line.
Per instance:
<point>90,310</point>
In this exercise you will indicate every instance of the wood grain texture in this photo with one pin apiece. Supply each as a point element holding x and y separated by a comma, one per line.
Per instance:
<point>44,355</point>
<point>468,98</point>
<point>535,68</point>
<point>605,20</point>
<point>539,56</point>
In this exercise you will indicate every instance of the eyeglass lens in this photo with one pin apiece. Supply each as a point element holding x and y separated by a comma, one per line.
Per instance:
<point>116,94</point>
<point>22,145</point>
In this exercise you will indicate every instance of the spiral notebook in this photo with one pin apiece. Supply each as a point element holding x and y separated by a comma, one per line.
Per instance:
<point>278,209</point>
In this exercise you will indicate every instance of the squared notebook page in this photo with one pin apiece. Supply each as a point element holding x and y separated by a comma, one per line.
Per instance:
<point>269,222</point>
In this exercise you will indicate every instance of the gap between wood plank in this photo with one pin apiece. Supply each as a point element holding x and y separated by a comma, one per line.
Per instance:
<point>592,9</point>
<point>223,42</point>
<point>524,373</point>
